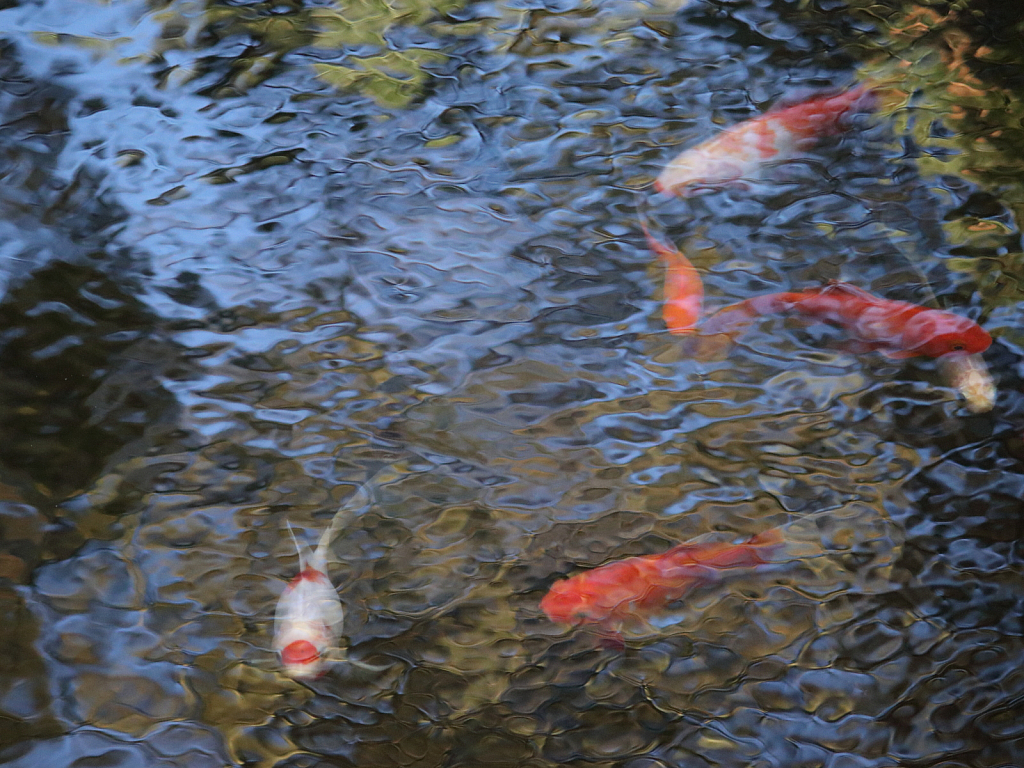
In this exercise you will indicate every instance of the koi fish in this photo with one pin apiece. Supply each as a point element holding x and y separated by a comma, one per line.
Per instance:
<point>309,615</point>
<point>684,290</point>
<point>742,150</point>
<point>612,594</point>
<point>897,329</point>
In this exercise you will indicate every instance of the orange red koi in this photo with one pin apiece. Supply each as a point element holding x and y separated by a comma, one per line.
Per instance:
<point>742,150</point>
<point>684,290</point>
<point>612,594</point>
<point>897,329</point>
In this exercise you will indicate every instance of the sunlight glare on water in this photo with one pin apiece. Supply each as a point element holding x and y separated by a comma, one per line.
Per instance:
<point>257,255</point>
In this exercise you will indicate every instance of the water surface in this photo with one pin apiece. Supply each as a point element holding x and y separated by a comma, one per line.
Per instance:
<point>255,255</point>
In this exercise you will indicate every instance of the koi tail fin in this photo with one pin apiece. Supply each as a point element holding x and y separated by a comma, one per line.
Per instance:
<point>360,500</point>
<point>301,549</point>
<point>706,349</point>
<point>765,543</point>
<point>866,96</point>
<point>852,548</point>
<point>756,550</point>
<point>665,252</point>
<point>885,94</point>
<point>729,320</point>
<point>369,667</point>
<point>716,336</point>
<point>734,318</point>
<point>611,639</point>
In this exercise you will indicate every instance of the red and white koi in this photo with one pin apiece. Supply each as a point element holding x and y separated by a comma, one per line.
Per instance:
<point>309,617</point>
<point>741,151</point>
<point>630,589</point>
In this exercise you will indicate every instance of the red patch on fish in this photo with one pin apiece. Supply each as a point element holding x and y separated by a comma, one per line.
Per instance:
<point>312,574</point>
<point>897,329</point>
<point>766,139</point>
<point>822,115</point>
<point>299,652</point>
<point>615,592</point>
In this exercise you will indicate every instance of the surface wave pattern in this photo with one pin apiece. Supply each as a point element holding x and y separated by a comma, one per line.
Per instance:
<point>233,294</point>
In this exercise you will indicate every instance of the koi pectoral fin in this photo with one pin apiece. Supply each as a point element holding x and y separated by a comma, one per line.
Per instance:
<point>611,639</point>
<point>855,347</point>
<point>377,668</point>
<point>858,347</point>
<point>269,664</point>
<point>897,354</point>
<point>969,375</point>
<point>707,347</point>
<point>338,657</point>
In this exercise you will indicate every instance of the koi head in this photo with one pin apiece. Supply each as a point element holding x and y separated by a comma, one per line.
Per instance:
<point>303,646</point>
<point>936,333</point>
<point>307,624</point>
<point>570,602</point>
<point>608,592</point>
<point>301,659</point>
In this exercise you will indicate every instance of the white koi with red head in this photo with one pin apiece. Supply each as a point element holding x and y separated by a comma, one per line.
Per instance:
<point>309,616</point>
<point>743,150</point>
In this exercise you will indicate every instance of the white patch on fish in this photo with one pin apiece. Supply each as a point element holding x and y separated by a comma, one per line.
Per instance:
<point>970,376</point>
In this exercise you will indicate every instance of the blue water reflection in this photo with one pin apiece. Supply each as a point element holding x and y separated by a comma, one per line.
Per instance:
<point>233,293</point>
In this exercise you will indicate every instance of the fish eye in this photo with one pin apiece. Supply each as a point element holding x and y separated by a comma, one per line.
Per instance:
<point>958,346</point>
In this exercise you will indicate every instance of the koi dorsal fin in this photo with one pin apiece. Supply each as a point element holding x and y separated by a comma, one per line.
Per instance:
<point>837,286</point>
<point>796,97</point>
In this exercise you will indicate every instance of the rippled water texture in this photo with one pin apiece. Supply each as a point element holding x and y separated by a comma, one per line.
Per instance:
<point>254,255</point>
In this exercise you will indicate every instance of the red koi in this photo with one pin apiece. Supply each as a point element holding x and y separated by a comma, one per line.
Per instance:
<point>614,593</point>
<point>742,150</point>
<point>897,329</point>
<point>684,290</point>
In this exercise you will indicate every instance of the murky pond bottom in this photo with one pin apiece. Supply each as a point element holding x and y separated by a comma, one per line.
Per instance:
<point>256,257</point>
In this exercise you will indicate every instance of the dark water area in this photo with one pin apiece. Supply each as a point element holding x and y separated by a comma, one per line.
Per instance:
<point>255,255</point>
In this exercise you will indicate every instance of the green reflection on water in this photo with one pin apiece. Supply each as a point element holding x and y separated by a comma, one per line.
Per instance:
<point>385,71</point>
<point>957,64</point>
<point>361,32</point>
<point>391,77</point>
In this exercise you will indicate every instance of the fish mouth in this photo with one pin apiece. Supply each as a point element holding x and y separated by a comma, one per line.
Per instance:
<point>305,671</point>
<point>969,375</point>
<point>301,659</point>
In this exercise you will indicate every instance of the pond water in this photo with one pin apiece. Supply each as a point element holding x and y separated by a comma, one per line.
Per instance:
<point>255,255</point>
